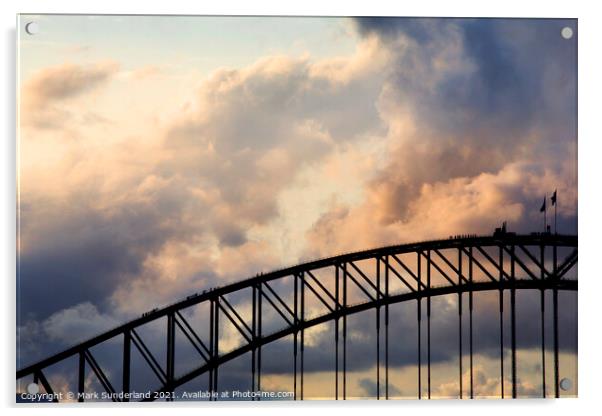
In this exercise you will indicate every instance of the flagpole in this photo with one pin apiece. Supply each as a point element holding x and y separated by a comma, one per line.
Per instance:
<point>555,208</point>
<point>545,209</point>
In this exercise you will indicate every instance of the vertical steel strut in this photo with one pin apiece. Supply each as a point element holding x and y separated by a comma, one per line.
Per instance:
<point>387,328</point>
<point>377,329</point>
<point>81,380</point>
<point>127,341</point>
<point>296,320</point>
<point>555,306</point>
<point>543,323</point>
<point>428,323</point>
<point>460,355</point>
<point>302,276</point>
<point>171,346</point>
<point>259,333</point>
<point>470,305</point>
<point>419,327</point>
<point>336,334</point>
<point>513,321</point>
<point>345,332</point>
<point>501,295</point>
<point>211,346</point>
<point>216,342</point>
<point>254,337</point>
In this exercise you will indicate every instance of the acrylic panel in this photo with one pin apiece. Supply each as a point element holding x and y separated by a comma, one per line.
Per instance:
<point>296,208</point>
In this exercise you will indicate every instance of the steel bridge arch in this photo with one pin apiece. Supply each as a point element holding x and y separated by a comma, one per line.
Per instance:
<point>418,281</point>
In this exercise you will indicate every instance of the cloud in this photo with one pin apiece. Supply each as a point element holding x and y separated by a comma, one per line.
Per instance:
<point>438,127</point>
<point>486,386</point>
<point>369,388</point>
<point>66,81</point>
<point>87,250</point>
<point>479,125</point>
<point>478,75</point>
<point>82,319</point>
<point>103,224</point>
<point>44,94</point>
<point>60,330</point>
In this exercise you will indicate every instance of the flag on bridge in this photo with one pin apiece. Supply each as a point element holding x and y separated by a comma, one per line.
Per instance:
<point>543,206</point>
<point>555,205</point>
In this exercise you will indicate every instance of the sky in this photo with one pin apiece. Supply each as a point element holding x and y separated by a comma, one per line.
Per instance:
<point>159,156</point>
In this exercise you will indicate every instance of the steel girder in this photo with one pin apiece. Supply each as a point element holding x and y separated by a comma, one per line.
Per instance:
<point>455,262</point>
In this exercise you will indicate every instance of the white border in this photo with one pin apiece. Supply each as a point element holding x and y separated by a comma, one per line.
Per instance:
<point>590,190</point>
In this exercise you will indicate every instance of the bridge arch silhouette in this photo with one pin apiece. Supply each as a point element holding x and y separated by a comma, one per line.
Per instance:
<point>419,272</point>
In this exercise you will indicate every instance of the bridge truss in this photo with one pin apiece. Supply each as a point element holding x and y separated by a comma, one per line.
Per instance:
<point>382,277</point>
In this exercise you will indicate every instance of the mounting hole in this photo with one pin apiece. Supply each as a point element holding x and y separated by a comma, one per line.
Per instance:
<point>566,384</point>
<point>566,32</point>
<point>32,28</point>
<point>33,388</point>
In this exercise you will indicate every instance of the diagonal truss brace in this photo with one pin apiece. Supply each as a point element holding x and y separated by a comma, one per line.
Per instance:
<point>104,381</point>
<point>192,336</point>
<point>148,357</point>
